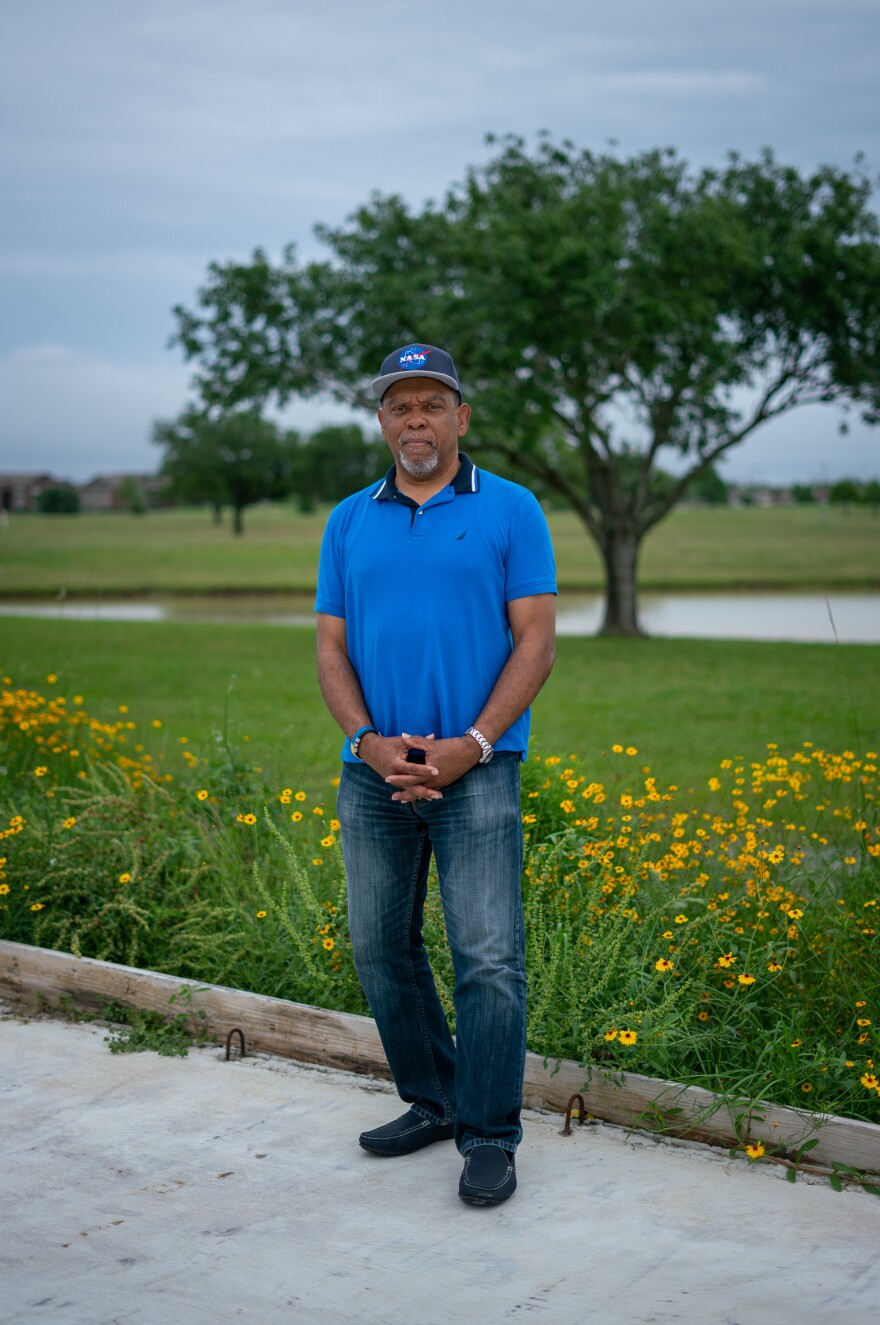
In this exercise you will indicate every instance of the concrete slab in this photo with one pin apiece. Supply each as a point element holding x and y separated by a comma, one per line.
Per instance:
<point>191,1191</point>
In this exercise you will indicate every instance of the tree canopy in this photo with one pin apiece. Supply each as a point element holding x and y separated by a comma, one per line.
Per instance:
<point>602,312</point>
<point>61,500</point>
<point>234,460</point>
<point>335,461</point>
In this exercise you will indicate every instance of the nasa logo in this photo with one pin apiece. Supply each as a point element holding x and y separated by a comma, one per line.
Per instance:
<point>413,357</point>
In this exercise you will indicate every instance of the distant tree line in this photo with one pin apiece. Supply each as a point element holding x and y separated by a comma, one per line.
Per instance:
<point>239,458</point>
<point>847,492</point>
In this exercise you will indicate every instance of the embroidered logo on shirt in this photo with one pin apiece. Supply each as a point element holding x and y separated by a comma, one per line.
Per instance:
<point>462,535</point>
<point>413,357</point>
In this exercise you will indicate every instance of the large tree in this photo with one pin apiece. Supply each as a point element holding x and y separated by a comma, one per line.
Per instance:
<point>602,312</point>
<point>335,461</point>
<point>234,459</point>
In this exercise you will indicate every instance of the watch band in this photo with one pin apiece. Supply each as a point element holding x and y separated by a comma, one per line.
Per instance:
<point>487,749</point>
<point>355,742</point>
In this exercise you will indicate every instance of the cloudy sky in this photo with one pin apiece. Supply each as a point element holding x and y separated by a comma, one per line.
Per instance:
<point>142,142</point>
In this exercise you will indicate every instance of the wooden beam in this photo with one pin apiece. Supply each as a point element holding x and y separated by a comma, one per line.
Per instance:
<point>343,1040</point>
<point>270,1025</point>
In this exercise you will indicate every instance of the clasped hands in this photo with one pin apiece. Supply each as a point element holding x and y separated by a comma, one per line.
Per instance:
<point>446,760</point>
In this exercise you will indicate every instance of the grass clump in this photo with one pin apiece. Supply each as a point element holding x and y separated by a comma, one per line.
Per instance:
<point>137,1030</point>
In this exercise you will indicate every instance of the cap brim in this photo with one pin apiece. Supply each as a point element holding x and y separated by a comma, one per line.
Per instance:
<point>380,385</point>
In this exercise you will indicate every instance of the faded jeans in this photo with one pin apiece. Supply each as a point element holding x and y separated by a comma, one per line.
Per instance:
<point>475,834</point>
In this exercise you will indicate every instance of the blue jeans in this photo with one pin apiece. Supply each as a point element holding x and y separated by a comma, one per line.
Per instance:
<point>475,834</point>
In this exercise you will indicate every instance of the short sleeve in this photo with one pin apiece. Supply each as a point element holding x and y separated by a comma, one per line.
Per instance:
<point>330,597</point>
<point>530,567</point>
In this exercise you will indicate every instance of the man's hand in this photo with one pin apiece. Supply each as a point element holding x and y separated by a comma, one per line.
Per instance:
<point>445,762</point>
<point>386,755</point>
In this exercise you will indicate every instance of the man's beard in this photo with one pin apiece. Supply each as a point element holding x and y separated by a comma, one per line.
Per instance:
<point>419,467</point>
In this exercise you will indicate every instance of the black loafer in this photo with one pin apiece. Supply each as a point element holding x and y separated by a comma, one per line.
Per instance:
<point>408,1133</point>
<point>488,1177</point>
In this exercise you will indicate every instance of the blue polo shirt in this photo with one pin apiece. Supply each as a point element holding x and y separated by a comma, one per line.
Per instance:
<point>424,593</point>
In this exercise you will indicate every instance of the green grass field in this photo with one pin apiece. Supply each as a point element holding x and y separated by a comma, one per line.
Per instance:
<point>686,704</point>
<point>183,551</point>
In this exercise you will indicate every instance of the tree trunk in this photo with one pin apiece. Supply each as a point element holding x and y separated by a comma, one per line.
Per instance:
<point>620,553</point>
<point>217,509</point>
<point>238,519</point>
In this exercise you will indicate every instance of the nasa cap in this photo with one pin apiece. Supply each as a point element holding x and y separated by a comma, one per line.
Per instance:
<point>416,361</point>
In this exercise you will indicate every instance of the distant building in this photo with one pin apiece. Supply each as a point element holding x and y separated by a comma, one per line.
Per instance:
<point>105,492</point>
<point>110,492</point>
<point>753,495</point>
<point>22,492</point>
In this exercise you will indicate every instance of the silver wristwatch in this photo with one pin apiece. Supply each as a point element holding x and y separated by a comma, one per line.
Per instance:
<point>484,745</point>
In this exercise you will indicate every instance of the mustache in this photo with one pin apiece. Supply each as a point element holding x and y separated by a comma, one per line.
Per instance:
<point>416,437</point>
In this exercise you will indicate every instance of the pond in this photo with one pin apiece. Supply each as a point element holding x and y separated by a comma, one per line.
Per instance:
<point>814,618</point>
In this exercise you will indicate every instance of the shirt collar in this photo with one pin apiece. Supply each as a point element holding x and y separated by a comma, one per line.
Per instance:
<point>466,480</point>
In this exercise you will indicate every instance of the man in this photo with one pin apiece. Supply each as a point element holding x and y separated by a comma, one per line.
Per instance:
<point>436,612</point>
